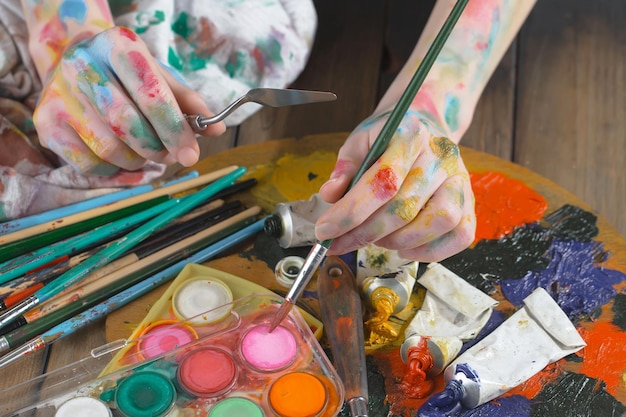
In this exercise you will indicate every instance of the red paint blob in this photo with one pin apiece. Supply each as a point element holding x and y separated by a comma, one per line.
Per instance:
<point>502,204</point>
<point>416,383</point>
<point>149,80</point>
<point>385,184</point>
<point>127,33</point>
<point>390,364</point>
<point>207,372</point>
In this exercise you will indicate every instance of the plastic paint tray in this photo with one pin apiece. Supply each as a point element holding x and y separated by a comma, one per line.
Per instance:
<point>233,367</point>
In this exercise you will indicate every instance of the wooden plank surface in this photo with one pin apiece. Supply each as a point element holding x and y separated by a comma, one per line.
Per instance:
<point>571,98</point>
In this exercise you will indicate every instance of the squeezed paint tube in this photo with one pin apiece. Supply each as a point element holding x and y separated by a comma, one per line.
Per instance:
<point>532,338</point>
<point>385,282</point>
<point>293,223</point>
<point>453,311</point>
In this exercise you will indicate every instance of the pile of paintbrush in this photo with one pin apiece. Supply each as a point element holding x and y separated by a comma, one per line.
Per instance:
<point>62,269</point>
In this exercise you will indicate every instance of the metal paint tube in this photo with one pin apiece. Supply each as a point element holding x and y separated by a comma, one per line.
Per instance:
<point>293,223</point>
<point>453,312</point>
<point>379,268</point>
<point>385,282</point>
<point>532,338</point>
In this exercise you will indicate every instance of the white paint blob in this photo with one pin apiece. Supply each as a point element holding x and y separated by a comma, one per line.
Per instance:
<point>202,300</point>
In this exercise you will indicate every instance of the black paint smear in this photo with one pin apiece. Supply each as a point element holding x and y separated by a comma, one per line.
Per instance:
<point>510,257</point>
<point>572,223</point>
<point>267,249</point>
<point>619,309</point>
<point>312,176</point>
<point>576,395</point>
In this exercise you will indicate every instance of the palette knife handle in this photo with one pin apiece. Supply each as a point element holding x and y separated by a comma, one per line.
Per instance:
<point>340,306</point>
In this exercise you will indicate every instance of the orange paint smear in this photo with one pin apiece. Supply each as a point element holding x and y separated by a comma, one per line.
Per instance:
<point>502,204</point>
<point>390,364</point>
<point>532,386</point>
<point>604,356</point>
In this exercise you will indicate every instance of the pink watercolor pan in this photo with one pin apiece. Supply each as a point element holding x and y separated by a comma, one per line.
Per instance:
<point>233,367</point>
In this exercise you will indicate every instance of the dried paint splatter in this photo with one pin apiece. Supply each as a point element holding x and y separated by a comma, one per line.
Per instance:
<point>526,249</point>
<point>576,395</point>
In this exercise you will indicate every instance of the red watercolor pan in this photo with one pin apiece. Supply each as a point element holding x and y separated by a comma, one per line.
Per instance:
<point>207,372</point>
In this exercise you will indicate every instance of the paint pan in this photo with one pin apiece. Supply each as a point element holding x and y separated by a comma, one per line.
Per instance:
<point>234,367</point>
<point>164,336</point>
<point>83,406</point>
<point>165,308</point>
<point>145,394</point>
<point>202,300</point>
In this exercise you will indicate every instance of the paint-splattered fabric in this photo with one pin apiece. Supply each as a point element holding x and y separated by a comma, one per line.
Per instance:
<point>222,48</point>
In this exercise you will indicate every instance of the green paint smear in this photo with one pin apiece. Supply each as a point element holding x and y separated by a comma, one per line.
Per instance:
<point>195,62</point>
<point>235,66</point>
<point>173,59</point>
<point>270,49</point>
<point>180,26</point>
<point>452,112</point>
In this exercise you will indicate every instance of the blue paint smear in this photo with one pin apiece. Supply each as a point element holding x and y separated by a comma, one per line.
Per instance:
<point>452,106</point>
<point>572,278</point>
<point>511,406</point>
<point>73,9</point>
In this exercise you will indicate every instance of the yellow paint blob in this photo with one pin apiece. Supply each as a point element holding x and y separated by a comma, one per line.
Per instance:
<point>298,394</point>
<point>297,177</point>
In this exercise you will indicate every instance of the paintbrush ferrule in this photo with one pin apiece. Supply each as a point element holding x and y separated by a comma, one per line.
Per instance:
<point>17,310</point>
<point>21,351</point>
<point>358,407</point>
<point>311,263</point>
<point>5,346</point>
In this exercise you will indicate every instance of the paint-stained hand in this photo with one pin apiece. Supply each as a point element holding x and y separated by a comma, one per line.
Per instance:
<point>417,198</point>
<point>108,104</point>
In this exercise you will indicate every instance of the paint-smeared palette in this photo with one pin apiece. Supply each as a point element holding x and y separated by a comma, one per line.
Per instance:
<point>229,366</point>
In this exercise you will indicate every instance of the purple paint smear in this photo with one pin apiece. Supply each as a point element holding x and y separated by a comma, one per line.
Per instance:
<point>511,406</point>
<point>573,278</point>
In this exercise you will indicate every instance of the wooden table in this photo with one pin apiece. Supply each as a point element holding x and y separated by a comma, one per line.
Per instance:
<point>250,262</point>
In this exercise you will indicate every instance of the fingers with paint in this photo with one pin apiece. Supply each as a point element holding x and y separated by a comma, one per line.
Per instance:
<point>107,103</point>
<point>417,198</point>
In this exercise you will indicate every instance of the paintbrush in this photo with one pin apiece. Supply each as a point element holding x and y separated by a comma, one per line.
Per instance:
<point>88,214</point>
<point>144,266</point>
<point>118,247</point>
<point>103,200</point>
<point>319,249</point>
<point>69,325</point>
<point>340,306</point>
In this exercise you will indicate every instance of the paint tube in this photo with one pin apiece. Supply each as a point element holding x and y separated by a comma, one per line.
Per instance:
<point>533,337</point>
<point>293,223</point>
<point>453,311</point>
<point>385,282</point>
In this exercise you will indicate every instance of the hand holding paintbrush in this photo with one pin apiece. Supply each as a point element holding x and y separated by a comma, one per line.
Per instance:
<point>318,252</point>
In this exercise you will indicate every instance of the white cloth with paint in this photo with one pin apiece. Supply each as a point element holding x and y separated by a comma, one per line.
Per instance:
<point>222,48</point>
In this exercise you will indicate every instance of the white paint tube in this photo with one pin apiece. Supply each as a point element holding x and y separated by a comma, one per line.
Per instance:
<point>293,223</point>
<point>532,338</point>
<point>453,311</point>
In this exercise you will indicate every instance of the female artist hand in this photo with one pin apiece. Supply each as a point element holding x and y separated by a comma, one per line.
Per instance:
<point>417,198</point>
<point>108,104</point>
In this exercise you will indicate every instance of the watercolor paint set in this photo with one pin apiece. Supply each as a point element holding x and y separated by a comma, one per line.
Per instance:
<point>221,362</point>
